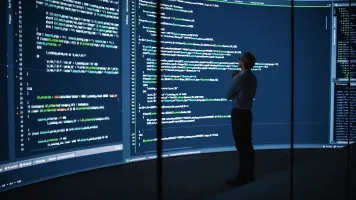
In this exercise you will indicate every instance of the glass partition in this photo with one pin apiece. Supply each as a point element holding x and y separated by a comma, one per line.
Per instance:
<point>349,35</point>
<point>202,44</point>
<point>321,105</point>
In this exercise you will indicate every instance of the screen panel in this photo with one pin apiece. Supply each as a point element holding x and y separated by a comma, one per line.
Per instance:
<point>67,87</point>
<point>197,62</point>
<point>73,100</point>
<point>344,70</point>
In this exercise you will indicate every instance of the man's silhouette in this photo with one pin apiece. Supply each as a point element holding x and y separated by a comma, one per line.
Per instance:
<point>242,93</point>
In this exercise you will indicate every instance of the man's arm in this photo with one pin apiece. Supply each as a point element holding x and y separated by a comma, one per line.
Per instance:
<point>234,73</point>
<point>234,88</point>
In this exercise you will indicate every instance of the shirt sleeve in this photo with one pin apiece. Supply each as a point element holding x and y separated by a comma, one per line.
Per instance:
<point>234,88</point>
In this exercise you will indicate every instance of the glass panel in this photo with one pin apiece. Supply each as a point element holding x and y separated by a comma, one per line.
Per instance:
<point>320,101</point>
<point>202,44</point>
<point>143,77</point>
<point>350,33</point>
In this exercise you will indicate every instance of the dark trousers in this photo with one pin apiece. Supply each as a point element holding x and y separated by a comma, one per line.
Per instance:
<point>241,121</point>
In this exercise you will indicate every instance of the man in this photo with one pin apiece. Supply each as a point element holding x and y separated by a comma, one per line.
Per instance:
<point>242,93</point>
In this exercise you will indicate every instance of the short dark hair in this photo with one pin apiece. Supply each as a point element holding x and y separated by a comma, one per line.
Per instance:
<point>249,60</point>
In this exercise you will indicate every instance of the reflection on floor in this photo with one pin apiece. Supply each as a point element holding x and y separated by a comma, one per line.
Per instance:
<point>323,178</point>
<point>193,177</point>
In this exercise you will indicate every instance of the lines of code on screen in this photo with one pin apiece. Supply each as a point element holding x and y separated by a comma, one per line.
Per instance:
<point>199,53</point>
<point>344,122</point>
<point>68,75</point>
<point>345,71</point>
<point>346,42</point>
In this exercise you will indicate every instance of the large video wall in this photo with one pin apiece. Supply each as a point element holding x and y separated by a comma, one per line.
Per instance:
<point>78,80</point>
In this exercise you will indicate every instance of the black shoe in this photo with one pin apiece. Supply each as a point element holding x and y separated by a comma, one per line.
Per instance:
<point>251,179</point>
<point>236,181</point>
<point>239,181</point>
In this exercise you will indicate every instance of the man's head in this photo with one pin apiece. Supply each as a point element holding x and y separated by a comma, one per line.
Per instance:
<point>247,61</point>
